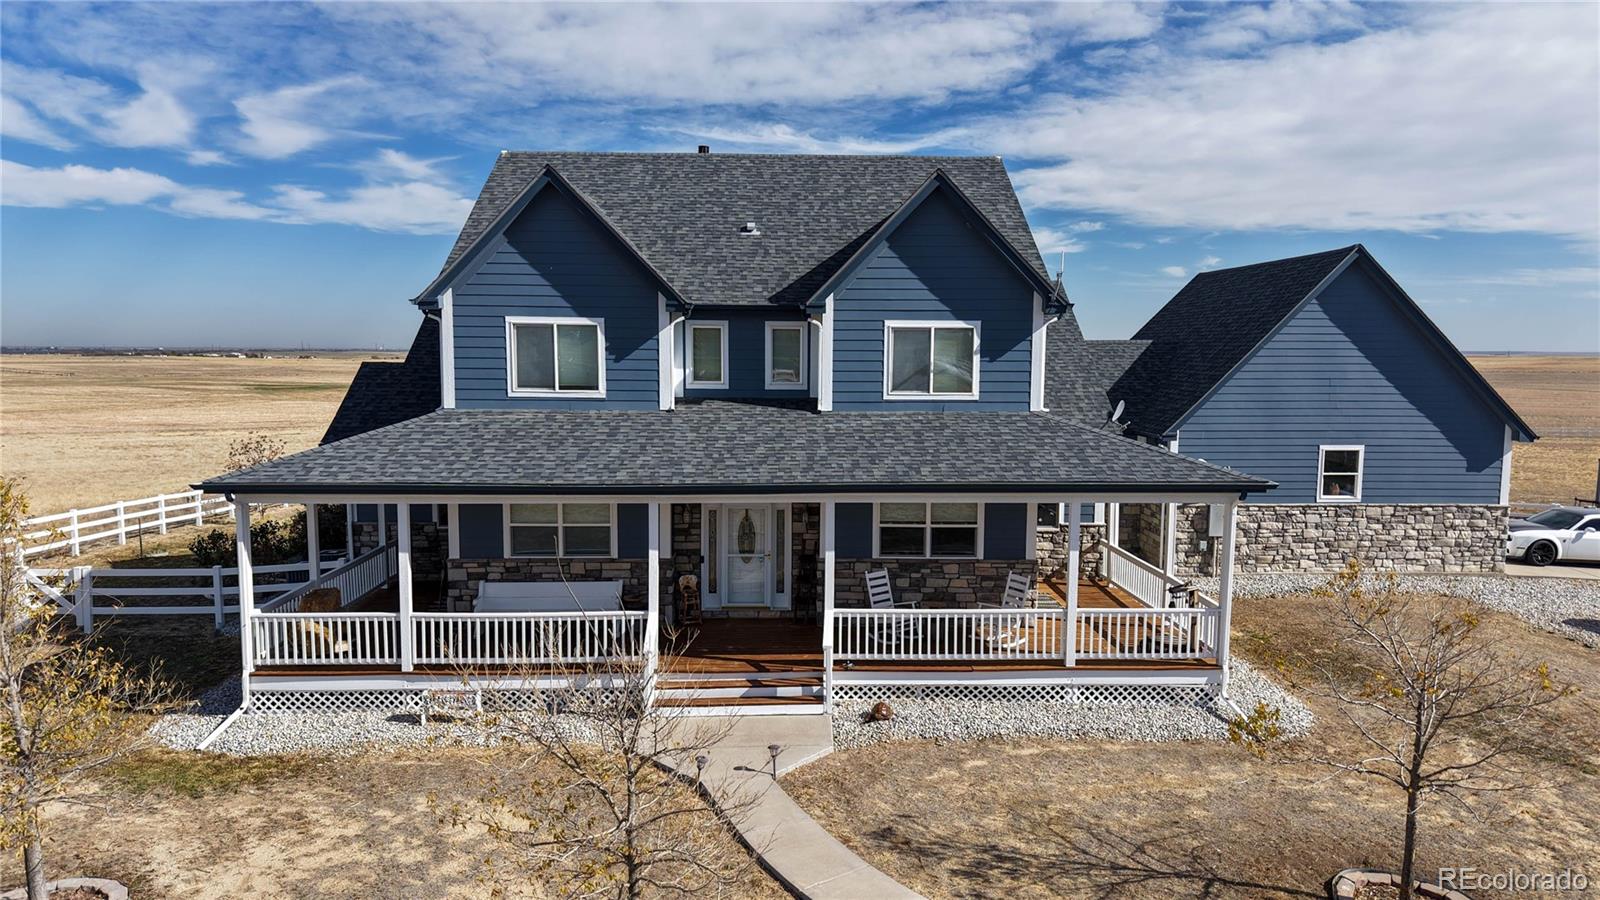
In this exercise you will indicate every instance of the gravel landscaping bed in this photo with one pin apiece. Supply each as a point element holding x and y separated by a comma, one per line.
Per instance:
<point>357,731</point>
<point>1565,606</point>
<point>971,720</point>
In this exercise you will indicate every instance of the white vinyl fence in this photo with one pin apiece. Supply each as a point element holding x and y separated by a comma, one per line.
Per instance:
<point>86,592</point>
<point>74,528</point>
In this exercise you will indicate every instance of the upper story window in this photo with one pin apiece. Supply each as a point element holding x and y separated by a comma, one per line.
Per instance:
<point>786,355</point>
<point>1339,473</point>
<point>708,355</point>
<point>928,530</point>
<point>930,360</point>
<point>559,529</point>
<point>555,357</point>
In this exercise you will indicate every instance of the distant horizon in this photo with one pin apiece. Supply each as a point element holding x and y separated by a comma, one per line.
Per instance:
<point>35,349</point>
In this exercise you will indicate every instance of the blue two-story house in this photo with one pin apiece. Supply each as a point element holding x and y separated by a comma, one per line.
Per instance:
<point>785,422</point>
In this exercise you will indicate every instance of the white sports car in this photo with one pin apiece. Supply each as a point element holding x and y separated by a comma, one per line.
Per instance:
<point>1568,532</point>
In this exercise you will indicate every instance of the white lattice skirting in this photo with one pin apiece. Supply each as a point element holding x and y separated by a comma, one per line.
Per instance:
<point>409,700</point>
<point>1081,694</point>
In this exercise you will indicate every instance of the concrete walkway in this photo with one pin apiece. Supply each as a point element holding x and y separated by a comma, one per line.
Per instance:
<point>807,859</point>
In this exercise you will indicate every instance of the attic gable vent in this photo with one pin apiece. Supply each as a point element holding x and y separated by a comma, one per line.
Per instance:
<point>750,229</point>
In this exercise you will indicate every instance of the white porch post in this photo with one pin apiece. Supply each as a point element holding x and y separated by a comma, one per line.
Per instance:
<point>383,523</point>
<point>1169,538</point>
<point>652,619</point>
<point>1069,639</point>
<point>247,596</point>
<point>828,579</point>
<point>403,577</point>
<point>1230,522</point>
<point>313,547</point>
<point>1113,534</point>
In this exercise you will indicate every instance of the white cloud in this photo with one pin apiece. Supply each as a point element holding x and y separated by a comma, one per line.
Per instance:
<point>412,207</point>
<point>391,163</point>
<point>75,185</point>
<point>1242,26</point>
<point>206,158</point>
<point>1476,118</point>
<point>1055,241</point>
<point>155,118</point>
<point>1174,271</point>
<point>17,122</point>
<point>288,120</point>
<point>1573,275</point>
<point>776,136</point>
<point>1209,262</point>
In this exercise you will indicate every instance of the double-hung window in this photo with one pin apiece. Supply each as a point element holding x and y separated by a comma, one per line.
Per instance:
<point>1339,473</point>
<point>559,529</point>
<point>928,530</point>
<point>786,355</point>
<point>930,360</point>
<point>555,357</point>
<point>708,355</point>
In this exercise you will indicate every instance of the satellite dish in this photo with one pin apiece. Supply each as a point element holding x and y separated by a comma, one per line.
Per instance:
<point>1117,412</point>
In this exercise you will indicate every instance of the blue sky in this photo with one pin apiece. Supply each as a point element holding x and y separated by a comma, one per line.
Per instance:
<point>287,174</point>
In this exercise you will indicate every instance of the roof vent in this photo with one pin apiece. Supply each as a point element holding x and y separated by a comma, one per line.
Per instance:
<point>749,228</point>
<point>705,148</point>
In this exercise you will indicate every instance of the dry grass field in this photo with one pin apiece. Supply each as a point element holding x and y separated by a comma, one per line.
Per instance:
<point>1039,819</point>
<point>1559,396</point>
<point>86,430</point>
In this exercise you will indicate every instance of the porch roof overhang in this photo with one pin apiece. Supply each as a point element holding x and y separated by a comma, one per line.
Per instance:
<point>727,447</point>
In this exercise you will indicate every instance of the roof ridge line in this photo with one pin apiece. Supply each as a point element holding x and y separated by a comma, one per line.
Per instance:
<point>1272,262</point>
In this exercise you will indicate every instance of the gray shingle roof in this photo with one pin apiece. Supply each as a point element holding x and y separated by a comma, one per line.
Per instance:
<point>1204,331</point>
<point>383,393</point>
<point>1078,374</point>
<point>683,211</point>
<point>731,447</point>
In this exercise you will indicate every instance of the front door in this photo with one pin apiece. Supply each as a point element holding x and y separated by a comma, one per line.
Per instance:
<point>748,546</point>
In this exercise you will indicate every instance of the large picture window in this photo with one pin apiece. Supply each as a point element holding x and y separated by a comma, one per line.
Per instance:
<point>708,354</point>
<point>931,360</point>
<point>1339,473</point>
<point>928,530</point>
<point>559,529</point>
<point>555,356</point>
<point>786,355</point>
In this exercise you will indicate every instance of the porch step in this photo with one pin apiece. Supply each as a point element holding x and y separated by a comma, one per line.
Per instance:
<point>726,704</point>
<point>751,686</point>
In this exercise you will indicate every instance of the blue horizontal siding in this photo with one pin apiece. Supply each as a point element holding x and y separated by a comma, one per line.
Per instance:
<point>747,352</point>
<point>1352,368</point>
<point>934,267</point>
<point>556,261</point>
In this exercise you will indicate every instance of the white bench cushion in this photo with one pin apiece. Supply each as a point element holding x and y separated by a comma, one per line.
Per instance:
<point>549,596</point>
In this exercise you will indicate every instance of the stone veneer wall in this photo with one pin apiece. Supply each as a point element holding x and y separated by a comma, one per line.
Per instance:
<point>466,574</point>
<point>429,544</point>
<point>1323,537</point>
<point>1140,532</point>
<point>931,582</point>
<point>1052,552</point>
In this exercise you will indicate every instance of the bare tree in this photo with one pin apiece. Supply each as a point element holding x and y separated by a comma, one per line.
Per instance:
<point>1442,714</point>
<point>614,802</point>
<point>70,706</point>
<point>254,449</point>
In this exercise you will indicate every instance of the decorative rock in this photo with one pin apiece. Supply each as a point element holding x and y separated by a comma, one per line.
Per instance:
<point>881,712</point>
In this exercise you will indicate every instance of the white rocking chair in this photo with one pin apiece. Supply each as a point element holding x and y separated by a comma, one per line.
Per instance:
<point>1015,597</point>
<point>880,595</point>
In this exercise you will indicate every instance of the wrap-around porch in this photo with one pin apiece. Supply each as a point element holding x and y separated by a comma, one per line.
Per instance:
<point>1119,618</point>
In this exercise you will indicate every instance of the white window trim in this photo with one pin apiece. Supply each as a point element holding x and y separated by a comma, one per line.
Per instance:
<point>688,355</point>
<point>1097,516</point>
<point>511,356</point>
<point>1361,471</point>
<point>561,538</point>
<point>927,527</point>
<point>888,359</point>
<point>803,384</point>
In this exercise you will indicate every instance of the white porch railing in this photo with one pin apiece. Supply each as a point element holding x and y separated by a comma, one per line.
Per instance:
<point>1148,584</point>
<point>1147,634</point>
<point>527,638</point>
<point>326,639</point>
<point>947,634</point>
<point>355,579</point>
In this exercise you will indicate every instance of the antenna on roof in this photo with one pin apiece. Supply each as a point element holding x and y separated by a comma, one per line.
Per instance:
<point>1061,268</point>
